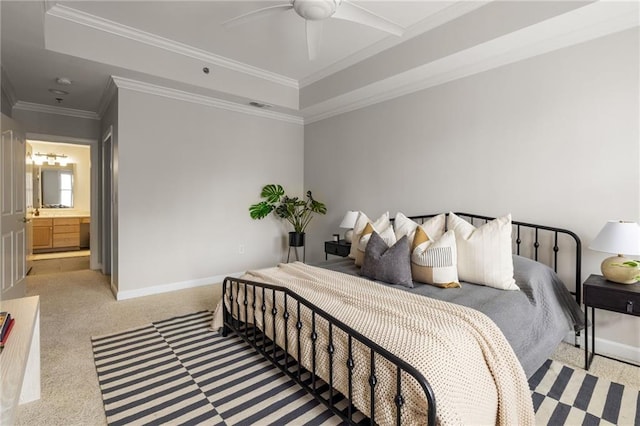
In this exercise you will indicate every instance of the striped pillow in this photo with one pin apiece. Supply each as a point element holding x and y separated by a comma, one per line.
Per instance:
<point>484,252</point>
<point>434,262</point>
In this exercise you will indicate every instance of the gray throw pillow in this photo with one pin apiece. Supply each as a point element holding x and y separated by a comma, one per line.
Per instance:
<point>389,264</point>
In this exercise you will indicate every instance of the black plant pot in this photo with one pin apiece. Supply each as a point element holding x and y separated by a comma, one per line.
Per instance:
<point>296,239</point>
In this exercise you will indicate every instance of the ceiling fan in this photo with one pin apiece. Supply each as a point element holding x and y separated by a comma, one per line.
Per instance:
<point>316,11</point>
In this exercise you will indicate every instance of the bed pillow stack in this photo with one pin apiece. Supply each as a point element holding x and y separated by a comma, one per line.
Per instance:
<point>480,255</point>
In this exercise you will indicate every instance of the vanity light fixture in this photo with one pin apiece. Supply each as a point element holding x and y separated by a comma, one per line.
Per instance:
<point>50,158</point>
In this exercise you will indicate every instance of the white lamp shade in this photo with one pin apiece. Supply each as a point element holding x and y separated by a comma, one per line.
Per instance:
<point>349,220</point>
<point>618,237</point>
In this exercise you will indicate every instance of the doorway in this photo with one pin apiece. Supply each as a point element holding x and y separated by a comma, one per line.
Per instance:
<point>59,198</point>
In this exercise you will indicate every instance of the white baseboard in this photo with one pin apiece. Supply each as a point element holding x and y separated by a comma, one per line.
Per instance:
<point>609,348</point>
<point>165,288</point>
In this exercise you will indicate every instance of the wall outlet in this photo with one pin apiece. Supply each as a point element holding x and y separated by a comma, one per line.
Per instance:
<point>241,249</point>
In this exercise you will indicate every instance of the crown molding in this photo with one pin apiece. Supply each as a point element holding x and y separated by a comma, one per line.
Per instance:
<point>45,137</point>
<point>49,109</point>
<point>587,23</point>
<point>101,24</point>
<point>139,86</point>
<point>441,17</point>
<point>7,87</point>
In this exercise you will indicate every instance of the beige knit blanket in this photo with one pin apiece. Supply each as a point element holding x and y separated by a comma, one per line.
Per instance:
<point>475,375</point>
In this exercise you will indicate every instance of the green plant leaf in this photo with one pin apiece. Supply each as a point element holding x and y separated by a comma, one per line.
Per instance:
<point>272,193</point>
<point>260,210</point>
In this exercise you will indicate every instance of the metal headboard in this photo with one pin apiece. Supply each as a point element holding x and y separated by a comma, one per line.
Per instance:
<point>539,232</point>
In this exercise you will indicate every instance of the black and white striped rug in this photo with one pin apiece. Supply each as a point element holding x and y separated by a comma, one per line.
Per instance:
<point>177,371</point>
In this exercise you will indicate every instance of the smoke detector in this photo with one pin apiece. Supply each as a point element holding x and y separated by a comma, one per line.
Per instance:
<point>63,81</point>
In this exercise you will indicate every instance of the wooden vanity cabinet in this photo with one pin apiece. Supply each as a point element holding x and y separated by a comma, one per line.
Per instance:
<point>42,234</point>
<point>51,234</point>
<point>66,232</point>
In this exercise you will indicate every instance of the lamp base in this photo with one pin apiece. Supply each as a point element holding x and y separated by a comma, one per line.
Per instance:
<point>348,236</point>
<point>613,269</point>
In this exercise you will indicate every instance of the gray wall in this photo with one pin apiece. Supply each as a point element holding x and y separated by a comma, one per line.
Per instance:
<point>187,174</point>
<point>56,124</point>
<point>552,139</point>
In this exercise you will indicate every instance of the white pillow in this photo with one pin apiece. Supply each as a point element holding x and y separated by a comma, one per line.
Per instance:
<point>434,262</point>
<point>387,235</point>
<point>434,227</point>
<point>484,253</point>
<point>380,223</point>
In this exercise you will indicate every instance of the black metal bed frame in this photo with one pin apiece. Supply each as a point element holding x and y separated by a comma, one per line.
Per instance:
<point>236,304</point>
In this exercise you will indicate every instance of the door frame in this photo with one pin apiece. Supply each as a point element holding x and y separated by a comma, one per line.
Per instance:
<point>106,220</point>
<point>95,242</point>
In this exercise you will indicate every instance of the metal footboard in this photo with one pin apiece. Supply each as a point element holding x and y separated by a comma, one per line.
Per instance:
<point>251,313</point>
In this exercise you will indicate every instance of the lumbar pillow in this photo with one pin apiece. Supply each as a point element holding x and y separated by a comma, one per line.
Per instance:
<point>434,227</point>
<point>362,220</point>
<point>388,264</point>
<point>386,234</point>
<point>434,262</point>
<point>484,253</point>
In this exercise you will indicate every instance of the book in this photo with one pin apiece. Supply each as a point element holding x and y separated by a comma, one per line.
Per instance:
<point>7,332</point>
<point>5,319</point>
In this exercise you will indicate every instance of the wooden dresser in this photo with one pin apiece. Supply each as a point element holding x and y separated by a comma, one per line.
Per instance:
<point>56,233</point>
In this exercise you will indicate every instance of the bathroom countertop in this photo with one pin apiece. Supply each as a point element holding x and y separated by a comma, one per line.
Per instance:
<point>50,214</point>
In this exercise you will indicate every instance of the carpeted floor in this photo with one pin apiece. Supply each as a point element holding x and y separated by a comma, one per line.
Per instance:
<point>56,265</point>
<point>78,305</point>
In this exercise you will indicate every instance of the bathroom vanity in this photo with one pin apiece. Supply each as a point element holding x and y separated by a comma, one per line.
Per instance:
<point>60,233</point>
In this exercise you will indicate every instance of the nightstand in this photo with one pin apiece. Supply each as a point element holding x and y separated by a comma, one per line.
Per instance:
<point>602,294</point>
<point>336,248</point>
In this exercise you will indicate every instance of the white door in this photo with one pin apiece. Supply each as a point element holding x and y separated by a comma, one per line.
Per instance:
<point>13,239</point>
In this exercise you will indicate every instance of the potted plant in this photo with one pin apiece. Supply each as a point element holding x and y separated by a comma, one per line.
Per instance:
<point>298,212</point>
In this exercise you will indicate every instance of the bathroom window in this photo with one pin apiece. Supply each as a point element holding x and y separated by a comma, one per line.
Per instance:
<point>66,189</point>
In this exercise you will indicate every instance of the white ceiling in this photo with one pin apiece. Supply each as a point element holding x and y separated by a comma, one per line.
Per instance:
<point>275,43</point>
<point>266,59</point>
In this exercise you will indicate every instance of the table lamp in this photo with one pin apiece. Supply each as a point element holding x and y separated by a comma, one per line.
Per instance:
<point>621,238</point>
<point>348,222</point>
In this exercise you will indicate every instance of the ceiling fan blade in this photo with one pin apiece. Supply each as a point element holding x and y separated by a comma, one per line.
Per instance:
<point>255,14</point>
<point>354,13</point>
<point>314,37</point>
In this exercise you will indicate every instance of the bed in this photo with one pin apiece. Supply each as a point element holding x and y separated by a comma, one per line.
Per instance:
<point>315,324</point>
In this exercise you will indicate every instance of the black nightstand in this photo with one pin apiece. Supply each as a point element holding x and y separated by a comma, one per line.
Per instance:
<point>602,294</point>
<point>337,248</point>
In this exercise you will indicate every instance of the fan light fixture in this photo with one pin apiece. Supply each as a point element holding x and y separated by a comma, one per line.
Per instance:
<point>316,11</point>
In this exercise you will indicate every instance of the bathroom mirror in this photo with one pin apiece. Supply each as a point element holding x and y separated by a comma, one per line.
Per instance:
<point>53,186</point>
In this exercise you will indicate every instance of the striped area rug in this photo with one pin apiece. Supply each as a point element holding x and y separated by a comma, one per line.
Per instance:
<point>177,371</point>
